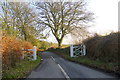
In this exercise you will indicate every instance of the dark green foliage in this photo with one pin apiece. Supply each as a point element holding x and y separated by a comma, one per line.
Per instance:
<point>44,45</point>
<point>104,48</point>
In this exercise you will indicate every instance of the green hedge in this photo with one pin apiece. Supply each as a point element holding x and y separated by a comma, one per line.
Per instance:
<point>104,48</point>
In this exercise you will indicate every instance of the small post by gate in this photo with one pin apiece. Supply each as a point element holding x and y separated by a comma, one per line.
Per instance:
<point>71,50</point>
<point>84,50</point>
<point>76,51</point>
<point>34,53</point>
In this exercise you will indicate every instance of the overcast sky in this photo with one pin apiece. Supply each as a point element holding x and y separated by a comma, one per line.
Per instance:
<point>106,12</point>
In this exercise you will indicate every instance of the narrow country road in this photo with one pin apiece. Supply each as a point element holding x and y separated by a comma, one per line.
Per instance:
<point>54,66</point>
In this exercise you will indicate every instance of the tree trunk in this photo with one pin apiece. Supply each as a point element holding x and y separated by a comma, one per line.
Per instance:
<point>59,42</point>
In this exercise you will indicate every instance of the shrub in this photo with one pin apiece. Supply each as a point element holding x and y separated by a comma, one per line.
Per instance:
<point>26,45</point>
<point>104,48</point>
<point>12,50</point>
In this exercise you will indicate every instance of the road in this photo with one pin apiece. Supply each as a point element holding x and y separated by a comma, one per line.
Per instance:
<point>54,66</point>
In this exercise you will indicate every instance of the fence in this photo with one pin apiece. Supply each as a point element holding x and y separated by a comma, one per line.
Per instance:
<point>34,52</point>
<point>76,51</point>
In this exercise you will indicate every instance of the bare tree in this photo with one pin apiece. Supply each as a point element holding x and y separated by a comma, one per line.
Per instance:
<point>4,16</point>
<point>78,35</point>
<point>20,19</point>
<point>63,17</point>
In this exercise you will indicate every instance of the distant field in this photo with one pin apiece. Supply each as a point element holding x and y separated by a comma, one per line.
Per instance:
<point>45,45</point>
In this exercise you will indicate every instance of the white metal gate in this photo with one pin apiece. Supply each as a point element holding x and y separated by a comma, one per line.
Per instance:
<point>76,51</point>
<point>34,52</point>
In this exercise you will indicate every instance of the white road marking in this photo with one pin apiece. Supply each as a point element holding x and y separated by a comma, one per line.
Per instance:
<point>41,59</point>
<point>65,74</point>
<point>52,58</point>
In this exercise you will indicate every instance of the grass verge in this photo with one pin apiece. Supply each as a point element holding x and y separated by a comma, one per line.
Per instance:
<point>21,69</point>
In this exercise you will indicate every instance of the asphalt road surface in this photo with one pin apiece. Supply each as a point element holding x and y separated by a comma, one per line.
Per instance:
<point>54,66</point>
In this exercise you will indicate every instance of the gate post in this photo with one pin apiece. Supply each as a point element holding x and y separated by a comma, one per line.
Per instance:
<point>71,50</point>
<point>34,53</point>
<point>22,57</point>
<point>84,50</point>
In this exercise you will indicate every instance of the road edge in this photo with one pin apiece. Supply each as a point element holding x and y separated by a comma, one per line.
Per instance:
<point>93,67</point>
